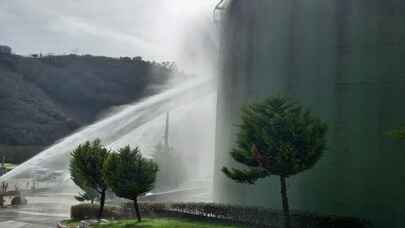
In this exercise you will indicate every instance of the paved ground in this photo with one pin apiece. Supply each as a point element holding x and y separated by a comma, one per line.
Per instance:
<point>41,212</point>
<point>13,219</point>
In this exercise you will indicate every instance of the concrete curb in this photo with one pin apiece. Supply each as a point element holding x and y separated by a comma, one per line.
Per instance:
<point>60,225</point>
<point>82,224</point>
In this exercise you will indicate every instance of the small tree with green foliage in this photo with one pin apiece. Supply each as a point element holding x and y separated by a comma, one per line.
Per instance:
<point>130,175</point>
<point>277,137</point>
<point>86,169</point>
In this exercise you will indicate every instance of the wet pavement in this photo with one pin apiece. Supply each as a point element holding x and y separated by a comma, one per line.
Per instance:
<point>42,211</point>
<point>13,219</point>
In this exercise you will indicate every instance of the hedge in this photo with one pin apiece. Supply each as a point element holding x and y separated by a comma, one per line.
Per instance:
<point>253,216</point>
<point>263,216</point>
<point>90,211</point>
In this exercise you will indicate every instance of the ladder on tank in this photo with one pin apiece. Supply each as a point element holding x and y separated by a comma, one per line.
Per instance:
<point>219,11</point>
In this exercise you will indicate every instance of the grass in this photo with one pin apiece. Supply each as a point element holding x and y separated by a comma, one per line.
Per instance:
<point>71,223</point>
<point>163,223</point>
<point>67,222</point>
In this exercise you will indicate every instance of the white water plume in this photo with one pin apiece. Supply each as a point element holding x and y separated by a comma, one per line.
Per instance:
<point>134,125</point>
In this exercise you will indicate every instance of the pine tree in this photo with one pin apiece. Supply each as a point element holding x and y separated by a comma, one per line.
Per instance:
<point>277,137</point>
<point>130,175</point>
<point>86,169</point>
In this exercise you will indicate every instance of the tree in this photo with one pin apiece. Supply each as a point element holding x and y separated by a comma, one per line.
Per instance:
<point>86,169</point>
<point>277,137</point>
<point>130,175</point>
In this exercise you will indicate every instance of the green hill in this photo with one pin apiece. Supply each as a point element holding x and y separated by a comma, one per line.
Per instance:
<point>43,99</point>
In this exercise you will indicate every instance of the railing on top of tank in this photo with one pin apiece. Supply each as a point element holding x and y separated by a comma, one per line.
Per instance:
<point>218,10</point>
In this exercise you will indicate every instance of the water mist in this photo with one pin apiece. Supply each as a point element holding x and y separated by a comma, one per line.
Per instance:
<point>191,104</point>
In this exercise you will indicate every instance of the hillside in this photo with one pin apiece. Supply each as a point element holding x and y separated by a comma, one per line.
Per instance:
<point>43,99</point>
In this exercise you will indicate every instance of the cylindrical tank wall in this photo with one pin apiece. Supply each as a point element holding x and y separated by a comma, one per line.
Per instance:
<point>342,59</point>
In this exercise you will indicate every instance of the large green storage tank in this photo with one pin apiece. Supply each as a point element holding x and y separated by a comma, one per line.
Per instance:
<point>345,59</point>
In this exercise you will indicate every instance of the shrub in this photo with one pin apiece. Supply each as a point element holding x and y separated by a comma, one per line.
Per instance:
<point>256,216</point>
<point>248,216</point>
<point>90,211</point>
<point>130,175</point>
<point>86,165</point>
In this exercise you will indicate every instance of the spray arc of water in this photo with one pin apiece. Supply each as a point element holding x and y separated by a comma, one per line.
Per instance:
<point>54,160</point>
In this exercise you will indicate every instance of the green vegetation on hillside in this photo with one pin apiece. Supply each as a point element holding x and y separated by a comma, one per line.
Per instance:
<point>43,99</point>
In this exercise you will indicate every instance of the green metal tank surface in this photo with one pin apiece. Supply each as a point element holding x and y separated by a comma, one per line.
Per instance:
<point>345,60</point>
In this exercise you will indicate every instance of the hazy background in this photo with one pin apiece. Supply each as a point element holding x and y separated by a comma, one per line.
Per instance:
<point>180,31</point>
<point>153,29</point>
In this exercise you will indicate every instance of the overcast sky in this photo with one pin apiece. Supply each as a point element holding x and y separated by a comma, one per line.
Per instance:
<point>154,29</point>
